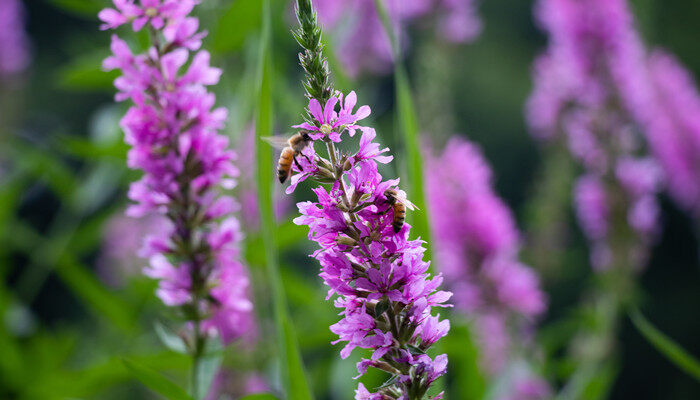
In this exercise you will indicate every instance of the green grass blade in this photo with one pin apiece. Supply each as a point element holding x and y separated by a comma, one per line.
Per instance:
<point>156,382</point>
<point>259,396</point>
<point>293,376</point>
<point>665,345</point>
<point>407,123</point>
<point>94,294</point>
<point>236,24</point>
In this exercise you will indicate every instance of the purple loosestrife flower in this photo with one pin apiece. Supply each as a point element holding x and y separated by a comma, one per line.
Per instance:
<point>476,245</point>
<point>674,132</point>
<point>377,273</point>
<point>14,45</point>
<point>592,86</point>
<point>172,129</point>
<point>364,44</point>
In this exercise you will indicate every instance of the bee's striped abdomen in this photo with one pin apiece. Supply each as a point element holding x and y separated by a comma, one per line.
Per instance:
<point>399,216</point>
<point>284,165</point>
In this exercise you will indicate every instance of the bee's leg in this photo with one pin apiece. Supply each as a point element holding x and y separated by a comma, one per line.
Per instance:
<point>385,211</point>
<point>297,163</point>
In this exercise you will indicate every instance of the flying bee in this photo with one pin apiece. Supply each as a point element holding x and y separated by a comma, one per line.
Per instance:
<point>398,202</point>
<point>291,148</point>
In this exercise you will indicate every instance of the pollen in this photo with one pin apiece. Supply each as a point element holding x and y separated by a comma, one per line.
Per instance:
<point>151,12</point>
<point>326,129</point>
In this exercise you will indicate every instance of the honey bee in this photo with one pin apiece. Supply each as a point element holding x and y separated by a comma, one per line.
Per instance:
<point>291,148</point>
<point>398,202</point>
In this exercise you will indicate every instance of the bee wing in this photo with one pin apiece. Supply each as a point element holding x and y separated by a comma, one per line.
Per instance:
<point>278,142</point>
<point>409,205</point>
<point>401,196</point>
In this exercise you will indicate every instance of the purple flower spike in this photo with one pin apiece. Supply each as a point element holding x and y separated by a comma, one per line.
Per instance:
<point>172,128</point>
<point>476,246</point>
<point>593,86</point>
<point>378,275</point>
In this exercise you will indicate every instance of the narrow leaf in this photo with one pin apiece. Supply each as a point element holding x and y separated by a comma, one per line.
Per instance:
<point>156,381</point>
<point>407,123</point>
<point>93,293</point>
<point>207,368</point>
<point>293,376</point>
<point>235,25</point>
<point>169,338</point>
<point>259,396</point>
<point>665,345</point>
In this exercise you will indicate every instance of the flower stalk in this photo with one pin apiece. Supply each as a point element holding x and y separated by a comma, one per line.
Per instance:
<point>172,129</point>
<point>379,275</point>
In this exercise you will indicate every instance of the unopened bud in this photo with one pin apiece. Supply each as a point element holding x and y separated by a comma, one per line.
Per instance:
<point>345,241</point>
<point>326,129</point>
<point>348,164</point>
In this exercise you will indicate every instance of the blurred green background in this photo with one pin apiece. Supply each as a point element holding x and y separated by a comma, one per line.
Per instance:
<point>66,327</point>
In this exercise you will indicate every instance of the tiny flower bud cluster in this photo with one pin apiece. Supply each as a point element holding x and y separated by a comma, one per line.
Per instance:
<point>377,273</point>
<point>592,85</point>
<point>476,248</point>
<point>172,129</point>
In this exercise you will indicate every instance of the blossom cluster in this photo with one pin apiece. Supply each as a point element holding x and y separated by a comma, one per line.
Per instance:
<point>364,43</point>
<point>674,130</point>
<point>476,246</point>
<point>14,46</point>
<point>172,128</point>
<point>592,85</point>
<point>378,274</point>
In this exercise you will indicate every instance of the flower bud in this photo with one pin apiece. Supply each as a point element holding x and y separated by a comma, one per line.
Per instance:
<point>345,241</point>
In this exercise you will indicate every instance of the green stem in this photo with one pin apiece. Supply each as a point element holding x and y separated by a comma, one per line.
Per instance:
<point>292,369</point>
<point>200,342</point>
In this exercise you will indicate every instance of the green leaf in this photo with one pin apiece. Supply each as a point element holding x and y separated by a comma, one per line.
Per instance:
<point>169,338</point>
<point>293,377</point>
<point>665,345</point>
<point>156,381</point>
<point>85,74</point>
<point>259,396</point>
<point>94,294</point>
<point>381,307</point>
<point>81,8</point>
<point>460,345</point>
<point>237,23</point>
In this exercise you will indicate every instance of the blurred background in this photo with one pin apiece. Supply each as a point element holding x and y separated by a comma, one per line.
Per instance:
<point>73,302</point>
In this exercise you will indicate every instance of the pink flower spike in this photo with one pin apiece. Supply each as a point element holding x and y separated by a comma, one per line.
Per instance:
<point>172,128</point>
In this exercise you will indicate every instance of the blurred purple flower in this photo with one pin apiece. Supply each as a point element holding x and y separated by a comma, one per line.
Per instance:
<point>592,87</point>
<point>476,244</point>
<point>14,44</point>
<point>122,240</point>
<point>227,385</point>
<point>674,132</point>
<point>364,44</point>
<point>172,129</point>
